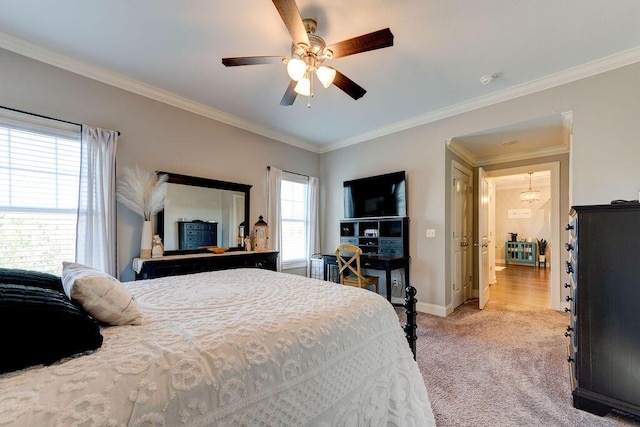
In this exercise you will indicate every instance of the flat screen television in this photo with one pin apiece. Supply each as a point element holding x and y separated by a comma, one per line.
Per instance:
<point>381,195</point>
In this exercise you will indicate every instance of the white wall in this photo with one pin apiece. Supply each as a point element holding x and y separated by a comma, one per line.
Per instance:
<point>534,227</point>
<point>155,136</point>
<point>160,137</point>
<point>604,163</point>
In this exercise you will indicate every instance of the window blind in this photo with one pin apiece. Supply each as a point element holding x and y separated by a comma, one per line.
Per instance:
<point>294,214</point>
<point>39,170</point>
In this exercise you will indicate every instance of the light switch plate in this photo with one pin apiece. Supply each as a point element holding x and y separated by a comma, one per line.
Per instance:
<point>431,232</point>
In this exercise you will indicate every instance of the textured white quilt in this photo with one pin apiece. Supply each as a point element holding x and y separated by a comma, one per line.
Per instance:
<point>234,348</point>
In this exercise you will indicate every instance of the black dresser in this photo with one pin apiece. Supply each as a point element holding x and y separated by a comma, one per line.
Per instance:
<point>604,332</point>
<point>193,234</point>
<point>175,265</point>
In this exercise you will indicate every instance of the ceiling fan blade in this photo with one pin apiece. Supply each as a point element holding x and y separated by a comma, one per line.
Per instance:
<point>289,95</point>
<point>252,60</point>
<point>364,43</point>
<point>290,15</point>
<point>348,86</point>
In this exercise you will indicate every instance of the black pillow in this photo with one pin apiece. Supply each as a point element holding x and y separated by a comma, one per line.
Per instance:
<point>31,278</point>
<point>41,326</point>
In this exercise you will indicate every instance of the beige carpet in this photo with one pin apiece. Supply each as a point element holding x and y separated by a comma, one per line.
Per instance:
<point>502,366</point>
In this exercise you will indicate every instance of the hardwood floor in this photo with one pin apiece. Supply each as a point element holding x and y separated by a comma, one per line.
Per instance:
<point>523,285</point>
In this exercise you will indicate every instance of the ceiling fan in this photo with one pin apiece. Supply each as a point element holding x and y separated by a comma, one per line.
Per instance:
<point>308,53</point>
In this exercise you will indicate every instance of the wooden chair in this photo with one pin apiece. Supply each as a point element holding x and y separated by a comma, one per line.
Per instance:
<point>347,255</point>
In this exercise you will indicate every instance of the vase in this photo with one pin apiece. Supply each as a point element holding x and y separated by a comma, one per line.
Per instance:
<point>146,240</point>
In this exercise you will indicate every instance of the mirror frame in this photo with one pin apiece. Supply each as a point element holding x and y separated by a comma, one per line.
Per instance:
<point>175,178</point>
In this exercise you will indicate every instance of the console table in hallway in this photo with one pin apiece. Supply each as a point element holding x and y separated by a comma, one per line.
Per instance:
<point>521,253</point>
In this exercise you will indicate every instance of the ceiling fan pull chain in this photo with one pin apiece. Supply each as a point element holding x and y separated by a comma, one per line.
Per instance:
<point>310,90</point>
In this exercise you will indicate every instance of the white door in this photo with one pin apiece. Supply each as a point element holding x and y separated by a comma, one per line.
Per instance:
<point>492,233</point>
<point>483,237</point>
<point>460,214</point>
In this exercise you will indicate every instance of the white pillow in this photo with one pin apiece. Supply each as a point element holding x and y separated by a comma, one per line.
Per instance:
<point>101,295</point>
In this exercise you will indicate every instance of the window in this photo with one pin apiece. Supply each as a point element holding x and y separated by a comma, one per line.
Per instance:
<point>39,170</point>
<point>294,213</point>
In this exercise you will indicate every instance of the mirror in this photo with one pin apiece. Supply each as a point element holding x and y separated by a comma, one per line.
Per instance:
<point>189,199</point>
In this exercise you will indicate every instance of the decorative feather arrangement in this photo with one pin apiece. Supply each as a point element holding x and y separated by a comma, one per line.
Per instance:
<point>142,191</point>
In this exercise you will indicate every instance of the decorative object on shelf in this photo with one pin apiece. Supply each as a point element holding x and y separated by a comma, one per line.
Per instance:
<point>530,195</point>
<point>542,249</point>
<point>158,249</point>
<point>143,192</point>
<point>241,234</point>
<point>247,244</point>
<point>219,250</point>
<point>260,235</point>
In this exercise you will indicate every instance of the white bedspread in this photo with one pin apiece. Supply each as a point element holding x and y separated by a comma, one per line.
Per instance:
<point>233,348</point>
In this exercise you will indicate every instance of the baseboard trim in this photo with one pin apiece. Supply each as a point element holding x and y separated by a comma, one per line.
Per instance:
<point>436,310</point>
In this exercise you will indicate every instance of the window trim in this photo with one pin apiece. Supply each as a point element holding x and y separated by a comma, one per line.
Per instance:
<point>299,262</point>
<point>41,126</point>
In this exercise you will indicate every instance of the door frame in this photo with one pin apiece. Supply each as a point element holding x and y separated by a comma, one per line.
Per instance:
<point>483,238</point>
<point>555,259</point>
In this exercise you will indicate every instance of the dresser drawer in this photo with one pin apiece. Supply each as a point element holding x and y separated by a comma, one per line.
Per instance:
<point>192,235</point>
<point>391,246</point>
<point>349,240</point>
<point>391,251</point>
<point>391,242</point>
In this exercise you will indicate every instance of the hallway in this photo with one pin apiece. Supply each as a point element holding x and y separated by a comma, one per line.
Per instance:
<point>523,285</point>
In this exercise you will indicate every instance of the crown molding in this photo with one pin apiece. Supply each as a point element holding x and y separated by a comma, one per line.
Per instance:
<point>543,152</point>
<point>598,66</point>
<point>39,53</point>
<point>456,148</point>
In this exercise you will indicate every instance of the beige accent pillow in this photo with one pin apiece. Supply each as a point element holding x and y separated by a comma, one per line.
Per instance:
<point>101,295</point>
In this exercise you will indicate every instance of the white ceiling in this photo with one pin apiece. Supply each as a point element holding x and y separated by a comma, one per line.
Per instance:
<point>534,138</point>
<point>172,50</point>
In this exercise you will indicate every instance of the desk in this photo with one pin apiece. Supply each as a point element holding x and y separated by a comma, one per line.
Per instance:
<point>375,262</point>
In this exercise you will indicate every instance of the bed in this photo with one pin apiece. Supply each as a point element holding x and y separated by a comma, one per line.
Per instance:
<point>231,348</point>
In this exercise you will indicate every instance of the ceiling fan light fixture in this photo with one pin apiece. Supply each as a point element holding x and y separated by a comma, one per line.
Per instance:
<point>326,75</point>
<point>303,87</point>
<point>296,69</point>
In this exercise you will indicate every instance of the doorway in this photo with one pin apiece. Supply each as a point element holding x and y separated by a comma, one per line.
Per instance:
<point>539,220</point>
<point>514,149</point>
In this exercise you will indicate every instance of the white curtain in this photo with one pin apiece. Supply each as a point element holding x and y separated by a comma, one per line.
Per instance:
<point>96,230</point>
<point>313,228</point>
<point>273,211</point>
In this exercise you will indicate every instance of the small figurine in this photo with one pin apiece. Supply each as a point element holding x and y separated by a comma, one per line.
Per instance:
<point>247,244</point>
<point>157,249</point>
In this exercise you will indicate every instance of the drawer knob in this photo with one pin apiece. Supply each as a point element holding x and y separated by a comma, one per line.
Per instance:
<point>568,227</point>
<point>568,247</point>
<point>570,359</point>
<point>567,285</point>
<point>568,267</point>
<point>567,334</point>
<point>567,310</point>
<point>568,298</point>
<point>569,328</point>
